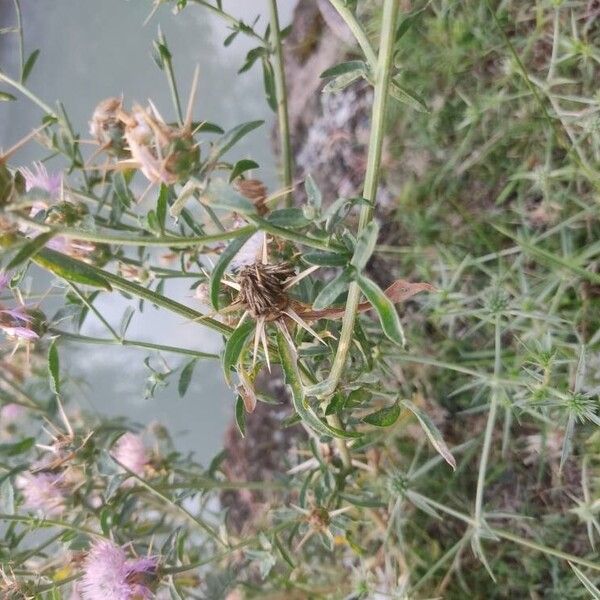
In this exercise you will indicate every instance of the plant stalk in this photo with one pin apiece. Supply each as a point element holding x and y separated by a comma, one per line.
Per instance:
<point>382,80</point>
<point>282,104</point>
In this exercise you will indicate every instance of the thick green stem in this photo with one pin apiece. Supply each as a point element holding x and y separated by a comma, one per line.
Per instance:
<point>382,80</point>
<point>489,428</point>
<point>282,105</point>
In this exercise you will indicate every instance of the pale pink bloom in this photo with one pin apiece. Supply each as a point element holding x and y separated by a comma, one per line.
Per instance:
<point>15,322</point>
<point>109,574</point>
<point>40,179</point>
<point>43,493</point>
<point>11,413</point>
<point>131,452</point>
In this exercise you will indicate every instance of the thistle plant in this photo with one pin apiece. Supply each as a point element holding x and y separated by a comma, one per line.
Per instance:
<point>438,359</point>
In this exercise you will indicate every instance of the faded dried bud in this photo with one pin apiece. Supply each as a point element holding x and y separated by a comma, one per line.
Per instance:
<point>255,190</point>
<point>262,290</point>
<point>318,519</point>
<point>107,127</point>
<point>165,154</point>
<point>67,213</point>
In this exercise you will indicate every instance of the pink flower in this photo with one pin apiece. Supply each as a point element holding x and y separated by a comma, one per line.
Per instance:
<point>15,322</point>
<point>11,413</point>
<point>109,574</point>
<point>39,178</point>
<point>131,452</point>
<point>43,493</point>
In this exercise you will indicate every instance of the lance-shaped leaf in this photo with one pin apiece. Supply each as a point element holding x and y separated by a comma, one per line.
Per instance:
<point>231,137</point>
<point>219,269</point>
<point>383,305</point>
<point>70,269</point>
<point>365,245</point>
<point>31,248</point>
<point>54,368</point>
<point>332,290</point>
<point>234,346</point>
<point>407,96</point>
<point>432,432</point>
<point>384,417</point>
<point>289,363</point>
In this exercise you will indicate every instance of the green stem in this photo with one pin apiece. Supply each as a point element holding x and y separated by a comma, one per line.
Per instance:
<point>182,242</point>
<point>235,23</point>
<point>21,40</point>
<point>21,88</point>
<point>38,523</point>
<point>282,104</point>
<point>489,428</point>
<point>507,535</point>
<point>357,30</point>
<point>84,339</point>
<point>46,257</point>
<point>205,527</point>
<point>91,307</point>
<point>382,79</point>
<point>170,73</point>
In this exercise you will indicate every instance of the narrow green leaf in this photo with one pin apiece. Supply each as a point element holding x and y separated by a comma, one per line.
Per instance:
<point>407,23</point>
<point>185,378</point>
<point>161,206</point>
<point>384,417</point>
<point>70,269</point>
<point>231,137</point>
<point>241,166</point>
<point>289,363</point>
<point>313,193</point>
<point>17,448</point>
<point>234,346</point>
<point>337,84</point>
<point>269,83</point>
<point>219,269</point>
<point>332,290</point>
<point>31,248</point>
<point>122,190</point>
<point>344,68</point>
<point>240,415</point>
<point>432,432</point>
<point>325,259</point>
<point>398,91</point>
<point>6,97</point>
<point>388,317</point>
<point>28,66</point>
<point>365,245</point>
<point>288,217</point>
<point>54,368</point>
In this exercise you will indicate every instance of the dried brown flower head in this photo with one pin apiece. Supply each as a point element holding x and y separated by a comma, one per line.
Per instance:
<point>262,289</point>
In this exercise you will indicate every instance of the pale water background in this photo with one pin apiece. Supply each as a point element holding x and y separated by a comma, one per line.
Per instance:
<point>93,49</point>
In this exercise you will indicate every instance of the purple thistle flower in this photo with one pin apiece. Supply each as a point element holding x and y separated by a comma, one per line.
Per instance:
<point>15,322</point>
<point>131,452</point>
<point>4,279</point>
<point>39,178</point>
<point>43,493</point>
<point>108,573</point>
<point>11,413</point>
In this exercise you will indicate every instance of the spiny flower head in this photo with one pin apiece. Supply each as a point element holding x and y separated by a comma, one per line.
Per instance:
<point>262,289</point>
<point>108,573</point>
